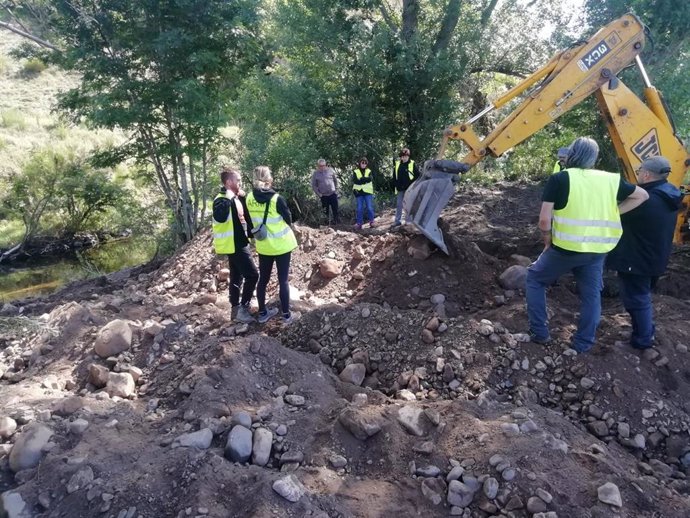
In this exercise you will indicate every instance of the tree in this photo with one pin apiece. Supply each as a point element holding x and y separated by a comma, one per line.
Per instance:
<point>164,73</point>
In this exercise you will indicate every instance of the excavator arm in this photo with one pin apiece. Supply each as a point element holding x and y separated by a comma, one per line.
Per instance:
<point>638,130</point>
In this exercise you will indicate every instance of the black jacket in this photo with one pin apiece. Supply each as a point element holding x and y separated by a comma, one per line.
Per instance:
<point>265,195</point>
<point>402,179</point>
<point>221,208</point>
<point>645,247</point>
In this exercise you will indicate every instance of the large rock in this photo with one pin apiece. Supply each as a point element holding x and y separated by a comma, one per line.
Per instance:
<point>200,439</point>
<point>261,446</point>
<point>513,278</point>
<point>12,505</point>
<point>239,445</point>
<point>289,488</point>
<point>354,373</point>
<point>113,338</point>
<point>330,268</point>
<point>459,494</point>
<point>359,424</point>
<point>80,480</point>
<point>28,449</point>
<point>120,384</point>
<point>7,427</point>
<point>67,406</point>
<point>609,494</point>
<point>419,248</point>
<point>413,420</point>
<point>98,375</point>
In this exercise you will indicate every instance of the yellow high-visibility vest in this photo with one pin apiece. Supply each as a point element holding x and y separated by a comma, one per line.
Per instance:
<point>557,167</point>
<point>410,171</point>
<point>224,233</point>
<point>590,221</point>
<point>280,239</point>
<point>366,187</point>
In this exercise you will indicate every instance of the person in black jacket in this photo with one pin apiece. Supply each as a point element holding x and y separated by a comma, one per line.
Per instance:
<point>643,252</point>
<point>405,171</point>
<point>243,272</point>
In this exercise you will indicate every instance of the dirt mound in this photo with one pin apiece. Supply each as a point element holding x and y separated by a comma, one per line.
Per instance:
<point>407,387</point>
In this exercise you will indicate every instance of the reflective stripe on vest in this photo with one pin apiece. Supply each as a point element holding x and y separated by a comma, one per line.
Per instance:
<point>224,233</point>
<point>590,221</point>
<point>279,238</point>
<point>410,171</point>
<point>366,187</point>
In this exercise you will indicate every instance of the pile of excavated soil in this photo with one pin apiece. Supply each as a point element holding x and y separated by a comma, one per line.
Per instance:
<point>407,387</point>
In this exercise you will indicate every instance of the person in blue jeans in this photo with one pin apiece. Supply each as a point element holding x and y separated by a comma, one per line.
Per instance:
<point>579,222</point>
<point>363,189</point>
<point>642,254</point>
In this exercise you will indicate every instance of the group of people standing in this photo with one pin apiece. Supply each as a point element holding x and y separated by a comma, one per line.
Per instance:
<point>592,219</point>
<point>262,215</point>
<point>324,183</point>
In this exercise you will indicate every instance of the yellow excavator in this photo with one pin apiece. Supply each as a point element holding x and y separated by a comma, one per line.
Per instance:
<point>638,130</point>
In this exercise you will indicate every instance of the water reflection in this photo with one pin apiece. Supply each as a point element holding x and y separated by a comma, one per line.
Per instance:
<point>46,276</point>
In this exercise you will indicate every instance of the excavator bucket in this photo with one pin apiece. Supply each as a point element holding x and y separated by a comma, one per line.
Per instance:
<point>429,194</point>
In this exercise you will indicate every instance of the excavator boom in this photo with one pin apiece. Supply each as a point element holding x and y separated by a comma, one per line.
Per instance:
<point>638,130</point>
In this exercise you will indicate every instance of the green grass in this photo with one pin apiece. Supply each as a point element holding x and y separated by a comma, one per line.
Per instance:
<point>33,67</point>
<point>12,119</point>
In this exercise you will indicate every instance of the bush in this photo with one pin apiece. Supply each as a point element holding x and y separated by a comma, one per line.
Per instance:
<point>12,119</point>
<point>34,67</point>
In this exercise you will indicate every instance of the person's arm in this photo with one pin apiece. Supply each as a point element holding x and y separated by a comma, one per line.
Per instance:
<point>247,217</point>
<point>545,217</point>
<point>314,184</point>
<point>284,210</point>
<point>221,209</point>
<point>335,180</point>
<point>415,171</point>
<point>635,199</point>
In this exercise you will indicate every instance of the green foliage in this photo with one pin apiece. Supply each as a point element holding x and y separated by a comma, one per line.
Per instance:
<point>12,119</point>
<point>33,67</point>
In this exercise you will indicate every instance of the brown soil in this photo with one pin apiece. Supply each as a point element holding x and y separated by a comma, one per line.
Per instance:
<point>473,379</point>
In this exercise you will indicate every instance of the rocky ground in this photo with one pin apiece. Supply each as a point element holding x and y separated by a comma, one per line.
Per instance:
<point>406,388</point>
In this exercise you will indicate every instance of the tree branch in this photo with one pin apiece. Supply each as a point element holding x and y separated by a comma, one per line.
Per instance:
<point>410,16</point>
<point>487,12</point>
<point>499,70</point>
<point>33,38</point>
<point>387,17</point>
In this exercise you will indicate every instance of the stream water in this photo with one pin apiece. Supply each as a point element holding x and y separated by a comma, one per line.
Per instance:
<point>45,276</point>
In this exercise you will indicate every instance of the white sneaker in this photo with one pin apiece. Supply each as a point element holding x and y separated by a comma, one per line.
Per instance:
<point>244,316</point>
<point>270,313</point>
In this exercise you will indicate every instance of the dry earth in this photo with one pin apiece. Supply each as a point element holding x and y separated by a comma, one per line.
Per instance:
<point>407,388</point>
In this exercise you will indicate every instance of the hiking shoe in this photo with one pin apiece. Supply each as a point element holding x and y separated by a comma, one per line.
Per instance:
<point>372,224</point>
<point>265,317</point>
<point>538,339</point>
<point>357,226</point>
<point>243,315</point>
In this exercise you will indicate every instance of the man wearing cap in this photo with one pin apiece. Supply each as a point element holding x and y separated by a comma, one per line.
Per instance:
<point>562,156</point>
<point>324,183</point>
<point>642,253</point>
<point>405,171</point>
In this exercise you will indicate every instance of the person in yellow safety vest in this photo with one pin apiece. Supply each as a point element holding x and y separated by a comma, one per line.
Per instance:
<point>579,222</point>
<point>268,209</point>
<point>363,189</point>
<point>231,225</point>
<point>562,157</point>
<point>405,171</point>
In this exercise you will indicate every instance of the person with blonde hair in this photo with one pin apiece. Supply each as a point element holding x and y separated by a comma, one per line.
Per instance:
<point>274,240</point>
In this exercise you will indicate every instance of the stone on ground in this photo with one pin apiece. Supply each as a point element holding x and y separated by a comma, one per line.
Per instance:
<point>113,338</point>
<point>610,494</point>
<point>289,488</point>
<point>28,448</point>
<point>200,439</point>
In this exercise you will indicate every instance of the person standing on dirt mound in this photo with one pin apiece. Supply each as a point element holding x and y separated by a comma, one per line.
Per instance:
<point>363,189</point>
<point>324,183</point>
<point>405,171</point>
<point>274,241</point>
<point>642,254</point>
<point>580,223</point>
<point>230,230</point>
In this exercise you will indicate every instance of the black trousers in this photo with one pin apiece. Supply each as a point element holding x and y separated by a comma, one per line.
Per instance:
<point>242,268</point>
<point>332,202</point>
<point>265,269</point>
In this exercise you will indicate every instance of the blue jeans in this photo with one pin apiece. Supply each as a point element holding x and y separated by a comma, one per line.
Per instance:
<point>588,270</point>
<point>636,293</point>
<point>399,207</point>
<point>366,200</point>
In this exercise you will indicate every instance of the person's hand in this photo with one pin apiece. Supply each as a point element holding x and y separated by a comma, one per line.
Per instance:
<point>241,193</point>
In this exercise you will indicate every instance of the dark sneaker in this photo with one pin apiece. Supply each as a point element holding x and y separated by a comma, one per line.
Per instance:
<point>270,313</point>
<point>244,316</point>
<point>538,339</point>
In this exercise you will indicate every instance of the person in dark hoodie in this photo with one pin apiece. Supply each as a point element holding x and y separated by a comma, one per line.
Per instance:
<point>274,241</point>
<point>230,230</point>
<point>405,171</point>
<point>642,253</point>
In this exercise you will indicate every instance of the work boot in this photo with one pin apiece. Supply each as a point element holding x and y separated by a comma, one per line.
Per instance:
<point>372,224</point>
<point>243,315</point>
<point>268,315</point>
<point>357,226</point>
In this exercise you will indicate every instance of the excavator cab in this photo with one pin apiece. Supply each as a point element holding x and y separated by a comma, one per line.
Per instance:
<point>429,194</point>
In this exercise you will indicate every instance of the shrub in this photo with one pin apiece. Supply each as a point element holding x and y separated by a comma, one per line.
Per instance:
<point>12,119</point>
<point>34,66</point>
